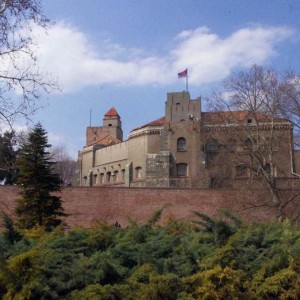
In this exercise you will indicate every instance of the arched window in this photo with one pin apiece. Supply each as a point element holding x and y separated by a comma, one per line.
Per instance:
<point>249,144</point>
<point>101,177</point>
<point>181,144</point>
<point>215,180</point>
<point>267,168</point>
<point>108,176</point>
<point>95,179</point>
<point>116,176</point>
<point>138,172</point>
<point>182,170</point>
<point>249,121</point>
<point>123,174</point>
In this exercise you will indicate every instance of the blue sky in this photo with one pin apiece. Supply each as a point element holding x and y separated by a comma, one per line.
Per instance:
<point>127,54</point>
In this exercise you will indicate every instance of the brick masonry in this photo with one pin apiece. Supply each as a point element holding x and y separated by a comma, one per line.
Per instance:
<point>86,205</point>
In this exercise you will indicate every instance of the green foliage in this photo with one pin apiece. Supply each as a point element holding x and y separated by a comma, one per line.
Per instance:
<point>216,283</point>
<point>8,156</point>
<point>10,234</point>
<point>20,275</point>
<point>284,284</point>
<point>97,292</point>
<point>179,260</point>
<point>38,206</point>
<point>160,287</point>
<point>220,229</point>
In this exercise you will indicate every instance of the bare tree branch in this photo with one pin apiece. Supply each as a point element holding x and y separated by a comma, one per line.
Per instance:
<point>22,83</point>
<point>263,107</point>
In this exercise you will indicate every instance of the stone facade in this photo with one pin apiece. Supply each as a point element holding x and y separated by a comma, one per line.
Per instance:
<point>187,148</point>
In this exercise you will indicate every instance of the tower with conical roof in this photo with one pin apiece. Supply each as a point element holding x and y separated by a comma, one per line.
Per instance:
<point>112,120</point>
<point>109,133</point>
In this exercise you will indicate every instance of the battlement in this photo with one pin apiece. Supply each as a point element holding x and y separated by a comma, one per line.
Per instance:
<point>180,108</point>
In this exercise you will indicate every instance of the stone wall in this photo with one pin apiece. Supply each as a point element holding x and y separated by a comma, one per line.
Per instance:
<point>86,205</point>
<point>111,154</point>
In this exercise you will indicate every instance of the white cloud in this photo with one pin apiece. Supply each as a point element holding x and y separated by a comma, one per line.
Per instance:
<point>18,128</point>
<point>55,139</point>
<point>211,58</point>
<point>67,53</point>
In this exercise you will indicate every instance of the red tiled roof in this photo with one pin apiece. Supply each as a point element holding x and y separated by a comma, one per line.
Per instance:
<point>112,113</point>
<point>105,140</point>
<point>237,117</point>
<point>221,117</point>
<point>158,122</point>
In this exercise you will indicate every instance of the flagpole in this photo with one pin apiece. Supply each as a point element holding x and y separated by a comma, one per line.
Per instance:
<point>184,73</point>
<point>186,83</point>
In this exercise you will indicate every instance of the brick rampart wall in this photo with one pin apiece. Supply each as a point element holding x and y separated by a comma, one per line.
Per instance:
<point>86,205</point>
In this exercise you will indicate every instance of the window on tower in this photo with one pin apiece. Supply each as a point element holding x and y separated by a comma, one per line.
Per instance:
<point>181,144</point>
<point>182,170</point>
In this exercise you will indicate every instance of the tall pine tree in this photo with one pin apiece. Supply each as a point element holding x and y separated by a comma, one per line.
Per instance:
<point>38,206</point>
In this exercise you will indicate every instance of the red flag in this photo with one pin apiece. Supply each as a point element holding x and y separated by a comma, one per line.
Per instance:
<point>183,73</point>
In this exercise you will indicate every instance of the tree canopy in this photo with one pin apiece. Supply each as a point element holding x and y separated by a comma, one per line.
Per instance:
<point>38,206</point>
<point>64,165</point>
<point>261,89</point>
<point>271,101</point>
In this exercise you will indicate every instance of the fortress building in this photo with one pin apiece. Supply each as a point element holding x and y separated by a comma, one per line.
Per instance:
<point>187,148</point>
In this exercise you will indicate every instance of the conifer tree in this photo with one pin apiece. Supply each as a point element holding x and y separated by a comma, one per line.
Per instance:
<point>38,206</point>
<point>8,155</point>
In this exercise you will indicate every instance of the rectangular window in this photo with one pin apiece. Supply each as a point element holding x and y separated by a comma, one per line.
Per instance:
<point>212,146</point>
<point>138,172</point>
<point>181,170</point>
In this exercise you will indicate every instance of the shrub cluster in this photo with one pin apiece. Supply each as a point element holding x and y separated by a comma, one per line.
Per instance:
<point>209,259</point>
